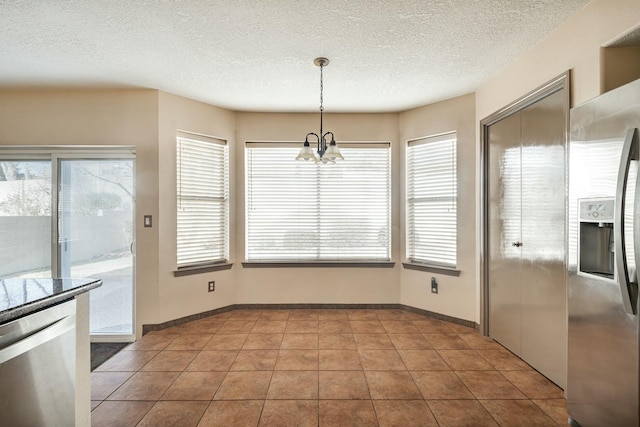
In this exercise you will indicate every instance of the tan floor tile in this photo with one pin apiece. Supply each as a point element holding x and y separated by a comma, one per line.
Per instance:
<point>333,315</point>
<point>409,342</point>
<point>504,360</point>
<point>336,342</point>
<point>517,413</point>
<point>393,314</point>
<point>464,360</point>
<point>189,342</point>
<point>373,342</point>
<point>300,341</point>
<point>479,342</point>
<point>214,360</point>
<point>274,315</point>
<point>269,327</point>
<point>263,342</point>
<point>249,385</point>
<point>362,315</point>
<point>297,360</point>
<point>461,413</point>
<point>236,413</point>
<point>399,327</point>
<point>226,342</point>
<point>244,315</point>
<point>392,385</point>
<point>381,360</point>
<point>554,408</point>
<point>334,327</point>
<point>202,327</point>
<point>302,327</point>
<point>338,413</point>
<point>131,360</point>
<point>461,329</point>
<point>489,385</point>
<point>194,386</point>
<point>441,385</point>
<point>222,316</point>
<point>237,327</point>
<point>105,383</point>
<point>174,414</point>
<point>367,327</point>
<point>170,360</point>
<point>401,413</point>
<point>145,386</point>
<point>293,385</point>
<point>339,360</point>
<point>423,360</point>
<point>343,385</point>
<point>255,360</point>
<point>534,384</point>
<point>303,315</point>
<point>112,414</point>
<point>447,342</point>
<point>299,413</point>
<point>152,341</point>
<point>432,326</point>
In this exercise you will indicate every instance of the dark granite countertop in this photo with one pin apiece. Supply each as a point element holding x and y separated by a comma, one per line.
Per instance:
<point>19,297</point>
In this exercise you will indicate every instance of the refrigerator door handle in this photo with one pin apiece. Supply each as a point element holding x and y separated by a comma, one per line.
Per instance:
<point>628,287</point>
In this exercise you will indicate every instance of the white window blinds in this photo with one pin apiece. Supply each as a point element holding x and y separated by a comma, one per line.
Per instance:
<point>432,200</point>
<point>300,211</point>
<point>203,201</point>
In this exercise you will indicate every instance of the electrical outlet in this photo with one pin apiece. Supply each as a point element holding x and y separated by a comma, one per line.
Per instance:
<point>434,286</point>
<point>212,286</point>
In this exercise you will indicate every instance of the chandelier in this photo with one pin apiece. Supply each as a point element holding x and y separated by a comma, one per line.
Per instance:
<point>324,153</point>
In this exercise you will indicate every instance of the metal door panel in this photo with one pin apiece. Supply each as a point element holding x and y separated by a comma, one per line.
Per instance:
<point>544,314</point>
<point>504,222</point>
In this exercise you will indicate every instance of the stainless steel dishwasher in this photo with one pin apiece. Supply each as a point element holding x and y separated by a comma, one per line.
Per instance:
<point>37,368</point>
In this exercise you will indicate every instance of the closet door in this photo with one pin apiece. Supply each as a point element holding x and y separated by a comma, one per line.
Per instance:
<point>543,236</point>
<point>505,223</point>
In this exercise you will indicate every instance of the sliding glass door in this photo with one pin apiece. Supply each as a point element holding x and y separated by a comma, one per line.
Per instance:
<point>25,218</point>
<point>70,213</point>
<point>95,236</point>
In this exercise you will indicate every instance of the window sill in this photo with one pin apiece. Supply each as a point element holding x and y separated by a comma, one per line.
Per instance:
<point>187,271</point>
<point>447,271</point>
<point>318,264</point>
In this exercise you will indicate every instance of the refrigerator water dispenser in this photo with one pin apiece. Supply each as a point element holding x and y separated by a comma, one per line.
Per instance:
<point>596,247</point>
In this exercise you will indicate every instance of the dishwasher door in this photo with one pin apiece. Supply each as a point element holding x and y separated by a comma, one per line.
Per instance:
<point>37,368</point>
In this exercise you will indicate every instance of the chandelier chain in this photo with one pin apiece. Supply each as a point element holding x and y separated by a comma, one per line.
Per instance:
<point>321,88</point>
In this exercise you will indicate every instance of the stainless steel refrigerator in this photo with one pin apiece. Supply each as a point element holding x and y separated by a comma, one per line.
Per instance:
<point>603,249</point>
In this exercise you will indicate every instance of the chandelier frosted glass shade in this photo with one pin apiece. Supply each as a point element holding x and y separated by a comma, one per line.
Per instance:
<point>306,153</point>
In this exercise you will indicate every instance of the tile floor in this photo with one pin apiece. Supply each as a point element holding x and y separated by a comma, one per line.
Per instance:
<point>321,367</point>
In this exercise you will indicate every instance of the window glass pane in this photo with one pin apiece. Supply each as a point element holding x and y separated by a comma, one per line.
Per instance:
<point>300,211</point>
<point>25,219</point>
<point>203,202</point>
<point>432,201</point>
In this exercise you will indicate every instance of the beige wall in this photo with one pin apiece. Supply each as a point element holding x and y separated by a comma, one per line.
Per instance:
<point>148,119</point>
<point>317,285</point>
<point>99,117</point>
<point>457,296</point>
<point>186,295</point>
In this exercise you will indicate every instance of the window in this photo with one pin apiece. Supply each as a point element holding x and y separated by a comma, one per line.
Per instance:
<point>431,200</point>
<point>203,201</point>
<point>299,211</point>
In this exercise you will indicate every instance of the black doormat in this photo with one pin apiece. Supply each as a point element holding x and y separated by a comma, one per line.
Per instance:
<point>101,351</point>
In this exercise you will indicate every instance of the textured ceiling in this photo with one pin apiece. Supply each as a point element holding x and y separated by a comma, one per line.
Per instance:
<point>257,55</point>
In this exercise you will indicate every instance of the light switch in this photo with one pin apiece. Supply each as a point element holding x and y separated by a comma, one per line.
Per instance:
<point>147,220</point>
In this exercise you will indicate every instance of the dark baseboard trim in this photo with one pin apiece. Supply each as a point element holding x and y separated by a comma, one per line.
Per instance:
<point>160,326</point>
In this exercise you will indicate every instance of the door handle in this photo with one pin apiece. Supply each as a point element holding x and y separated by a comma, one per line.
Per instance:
<point>516,244</point>
<point>628,288</point>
